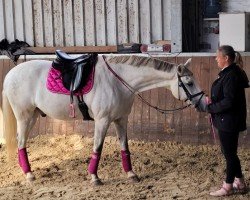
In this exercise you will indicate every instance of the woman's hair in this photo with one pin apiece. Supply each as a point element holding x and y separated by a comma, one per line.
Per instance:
<point>234,56</point>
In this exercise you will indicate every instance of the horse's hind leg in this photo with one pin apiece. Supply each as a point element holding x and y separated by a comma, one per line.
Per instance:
<point>121,129</point>
<point>101,127</point>
<point>24,126</point>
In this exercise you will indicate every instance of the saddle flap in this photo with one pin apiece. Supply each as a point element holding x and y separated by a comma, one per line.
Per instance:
<point>77,78</point>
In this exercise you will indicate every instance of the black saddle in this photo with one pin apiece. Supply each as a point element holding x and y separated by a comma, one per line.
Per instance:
<point>74,72</point>
<point>66,58</point>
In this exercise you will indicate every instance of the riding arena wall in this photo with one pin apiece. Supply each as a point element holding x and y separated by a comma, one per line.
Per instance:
<point>145,123</point>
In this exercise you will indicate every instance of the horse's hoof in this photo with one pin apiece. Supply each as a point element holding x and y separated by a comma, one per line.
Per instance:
<point>30,177</point>
<point>134,179</point>
<point>97,182</point>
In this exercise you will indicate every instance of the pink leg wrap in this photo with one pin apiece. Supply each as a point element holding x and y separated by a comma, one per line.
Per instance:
<point>126,161</point>
<point>93,165</point>
<point>23,160</point>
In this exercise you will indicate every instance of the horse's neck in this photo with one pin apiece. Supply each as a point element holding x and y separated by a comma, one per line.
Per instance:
<point>143,78</point>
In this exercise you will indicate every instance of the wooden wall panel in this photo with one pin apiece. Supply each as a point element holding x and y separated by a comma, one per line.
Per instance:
<point>19,21</point>
<point>100,23</point>
<point>2,20</point>
<point>122,21</point>
<point>89,22</point>
<point>156,22</point>
<point>145,21</point>
<point>58,23</point>
<point>1,87</point>
<point>246,68</point>
<point>28,25</point>
<point>5,67</point>
<point>68,23</point>
<point>175,26</point>
<point>48,23</point>
<point>133,21</point>
<point>79,22</point>
<point>38,23</point>
<point>10,27</point>
<point>166,4</point>
<point>111,22</point>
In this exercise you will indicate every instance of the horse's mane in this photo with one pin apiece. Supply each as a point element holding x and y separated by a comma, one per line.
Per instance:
<point>139,61</point>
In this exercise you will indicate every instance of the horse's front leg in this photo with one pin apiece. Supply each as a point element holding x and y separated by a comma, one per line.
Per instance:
<point>101,127</point>
<point>121,129</point>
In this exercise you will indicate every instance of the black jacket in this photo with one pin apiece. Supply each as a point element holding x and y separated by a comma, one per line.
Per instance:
<point>228,107</point>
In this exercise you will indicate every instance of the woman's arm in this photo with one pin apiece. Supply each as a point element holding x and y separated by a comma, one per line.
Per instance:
<point>230,85</point>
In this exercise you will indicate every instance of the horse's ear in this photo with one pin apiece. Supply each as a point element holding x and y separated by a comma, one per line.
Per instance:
<point>180,69</point>
<point>188,63</point>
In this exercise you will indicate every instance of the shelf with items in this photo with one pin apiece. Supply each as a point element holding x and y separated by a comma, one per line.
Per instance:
<point>211,19</point>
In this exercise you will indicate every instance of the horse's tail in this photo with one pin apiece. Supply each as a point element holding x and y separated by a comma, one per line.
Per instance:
<point>1,125</point>
<point>9,127</point>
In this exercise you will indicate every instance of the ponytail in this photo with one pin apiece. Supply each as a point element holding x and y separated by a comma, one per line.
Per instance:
<point>234,56</point>
<point>238,59</point>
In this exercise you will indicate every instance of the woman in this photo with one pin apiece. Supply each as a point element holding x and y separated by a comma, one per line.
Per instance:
<point>228,110</point>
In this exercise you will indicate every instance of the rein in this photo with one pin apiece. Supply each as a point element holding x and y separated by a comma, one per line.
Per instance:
<point>163,111</point>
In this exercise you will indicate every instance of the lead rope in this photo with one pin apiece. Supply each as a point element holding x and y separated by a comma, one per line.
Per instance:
<point>140,97</point>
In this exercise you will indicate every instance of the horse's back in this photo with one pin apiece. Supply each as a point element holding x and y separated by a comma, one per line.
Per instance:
<point>28,68</point>
<point>23,80</point>
<point>24,70</point>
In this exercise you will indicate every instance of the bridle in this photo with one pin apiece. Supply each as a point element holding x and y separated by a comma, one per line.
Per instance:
<point>163,111</point>
<point>188,94</point>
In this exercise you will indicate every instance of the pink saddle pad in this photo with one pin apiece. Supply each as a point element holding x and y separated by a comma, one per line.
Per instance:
<point>55,85</point>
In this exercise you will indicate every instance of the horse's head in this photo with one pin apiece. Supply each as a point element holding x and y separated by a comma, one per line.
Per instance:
<point>185,87</point>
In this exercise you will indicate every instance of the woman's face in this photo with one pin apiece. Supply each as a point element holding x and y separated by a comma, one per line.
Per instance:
<point>222,60</point>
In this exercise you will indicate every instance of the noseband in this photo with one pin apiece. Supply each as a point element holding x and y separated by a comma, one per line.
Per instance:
<point>189,95</point>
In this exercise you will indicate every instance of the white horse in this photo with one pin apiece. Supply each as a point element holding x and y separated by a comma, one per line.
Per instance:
<point>25,96</point>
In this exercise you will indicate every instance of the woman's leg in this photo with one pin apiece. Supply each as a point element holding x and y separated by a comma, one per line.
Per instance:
<point>229,145</point>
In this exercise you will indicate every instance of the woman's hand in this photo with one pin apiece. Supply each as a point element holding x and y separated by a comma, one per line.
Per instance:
<point>208,100</point>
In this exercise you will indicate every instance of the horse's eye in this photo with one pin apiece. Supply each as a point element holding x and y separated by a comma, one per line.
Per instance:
<point>190,84</point>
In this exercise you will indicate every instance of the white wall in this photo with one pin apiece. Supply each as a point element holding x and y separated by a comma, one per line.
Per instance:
<point>90,22</point>
<point>236,5</point>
